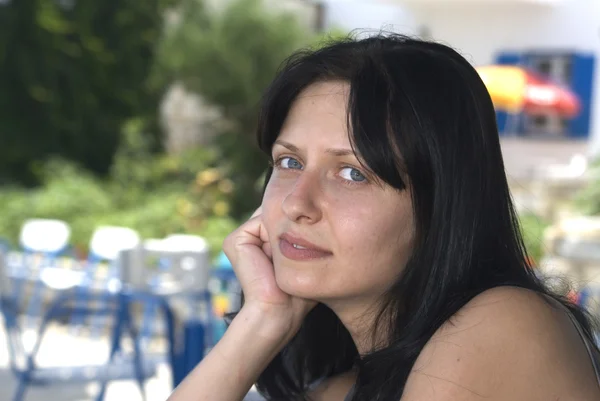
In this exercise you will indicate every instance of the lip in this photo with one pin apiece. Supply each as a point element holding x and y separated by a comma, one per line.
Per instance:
<point>311,251</point>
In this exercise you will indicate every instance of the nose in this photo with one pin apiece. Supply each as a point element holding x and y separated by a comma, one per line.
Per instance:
<point>301,205</point>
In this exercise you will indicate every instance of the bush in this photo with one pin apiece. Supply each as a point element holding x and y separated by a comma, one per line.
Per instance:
<point>532,228</point>
<point>227,57</point>
<point>175,195</point>
<point>75,72</point>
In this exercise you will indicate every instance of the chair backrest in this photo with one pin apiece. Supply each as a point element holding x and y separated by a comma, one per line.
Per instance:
<point>193,260</point>
<point>154,244</point>
<point>188,270</point>
<point>108,241</point>
<point>185,243</point>
<point>45,236</point>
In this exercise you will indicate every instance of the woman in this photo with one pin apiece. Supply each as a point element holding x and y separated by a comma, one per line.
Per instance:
<point>385,262</point>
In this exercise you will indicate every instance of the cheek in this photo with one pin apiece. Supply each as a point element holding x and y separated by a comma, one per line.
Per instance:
<point>273,196</point>
<point>271,205</point>
<point>372,235</point>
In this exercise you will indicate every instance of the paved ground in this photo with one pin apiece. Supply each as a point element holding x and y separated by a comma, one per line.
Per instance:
<point>63,349</point>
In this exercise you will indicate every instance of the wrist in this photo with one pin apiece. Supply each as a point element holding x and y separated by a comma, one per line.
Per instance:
<point>254,337</point>
<point>267,322</point>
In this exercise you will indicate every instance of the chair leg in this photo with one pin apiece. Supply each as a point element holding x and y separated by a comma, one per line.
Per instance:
<point>25,376</point>
<point>138,363</point>
<point>140,374</point>
<point>171,341</point>
<point>115,346</point>
<point>19,394</point>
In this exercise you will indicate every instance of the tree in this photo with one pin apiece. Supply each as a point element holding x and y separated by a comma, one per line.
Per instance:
<point>72,72</point>
<point>229,56</point>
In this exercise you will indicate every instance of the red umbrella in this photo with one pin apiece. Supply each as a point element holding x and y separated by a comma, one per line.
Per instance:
<point>542,96</point>
<point>516,89</point>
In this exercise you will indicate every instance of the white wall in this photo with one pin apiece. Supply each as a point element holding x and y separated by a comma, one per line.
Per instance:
<point>480,30</point>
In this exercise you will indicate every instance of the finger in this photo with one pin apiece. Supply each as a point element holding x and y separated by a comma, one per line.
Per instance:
<point>253,232</point>
<point>268,250</point>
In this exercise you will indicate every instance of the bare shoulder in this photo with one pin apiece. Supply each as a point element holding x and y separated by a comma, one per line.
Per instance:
<point>334,388</point>
<point>505,344</point>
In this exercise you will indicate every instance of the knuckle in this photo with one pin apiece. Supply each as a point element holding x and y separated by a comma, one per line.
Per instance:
<point>229,244</point>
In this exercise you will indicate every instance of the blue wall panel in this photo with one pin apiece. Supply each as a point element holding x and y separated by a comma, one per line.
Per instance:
<point>582,84</point>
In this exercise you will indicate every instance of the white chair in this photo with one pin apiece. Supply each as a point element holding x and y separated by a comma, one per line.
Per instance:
<point>176,267</point>
<point>185,243</point>
<point>108,241</point>
<point>50,237</point>
<point>102,273</point>
<point>179,263</point>
<point>42,242</point>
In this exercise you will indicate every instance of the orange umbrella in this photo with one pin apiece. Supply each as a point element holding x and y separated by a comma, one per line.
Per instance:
<point>516,89</point>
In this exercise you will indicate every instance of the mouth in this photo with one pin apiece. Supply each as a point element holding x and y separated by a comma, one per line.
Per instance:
<point>296,248</point>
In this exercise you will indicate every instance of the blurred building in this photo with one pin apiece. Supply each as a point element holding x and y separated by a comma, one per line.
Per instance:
<point>559,38</point>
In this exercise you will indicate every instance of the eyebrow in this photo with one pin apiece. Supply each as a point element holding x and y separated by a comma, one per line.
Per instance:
<point>335,152</point>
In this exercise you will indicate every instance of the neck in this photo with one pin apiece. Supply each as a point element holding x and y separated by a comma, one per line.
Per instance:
<point>359,318</point>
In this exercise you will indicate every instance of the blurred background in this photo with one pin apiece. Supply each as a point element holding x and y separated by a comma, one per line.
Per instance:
<point>127,155</point>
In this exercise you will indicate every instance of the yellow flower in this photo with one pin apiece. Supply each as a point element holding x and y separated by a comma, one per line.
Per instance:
<point>184,207</point>
<point>226,186</point>
<point>221,208</point>
<point>207,177</point>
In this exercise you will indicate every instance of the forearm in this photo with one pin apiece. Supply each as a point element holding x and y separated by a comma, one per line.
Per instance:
<point>234,364</point>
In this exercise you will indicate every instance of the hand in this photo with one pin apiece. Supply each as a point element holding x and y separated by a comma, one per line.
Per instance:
<point>250,253</point>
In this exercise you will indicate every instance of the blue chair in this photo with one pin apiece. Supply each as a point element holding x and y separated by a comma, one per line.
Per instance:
<point>23,363</point>
<point>162,267</point>
<point>78,299</point>
<point>177,271</point>
<point>101,273</point>
<point>42,242</point>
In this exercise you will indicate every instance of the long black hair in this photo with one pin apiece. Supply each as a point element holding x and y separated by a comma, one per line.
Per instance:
<point>418,115</point>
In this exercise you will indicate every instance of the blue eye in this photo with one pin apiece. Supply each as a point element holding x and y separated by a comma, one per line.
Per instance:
<point>352,174</point>
<point>289,163</point>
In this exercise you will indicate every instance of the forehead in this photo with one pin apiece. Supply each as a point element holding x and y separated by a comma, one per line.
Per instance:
<point>318,114</point>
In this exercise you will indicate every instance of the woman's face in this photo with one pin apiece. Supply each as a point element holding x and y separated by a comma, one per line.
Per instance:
<point>336,233</point>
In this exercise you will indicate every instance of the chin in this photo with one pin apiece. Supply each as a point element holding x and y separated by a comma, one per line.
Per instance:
<point>299,283</point>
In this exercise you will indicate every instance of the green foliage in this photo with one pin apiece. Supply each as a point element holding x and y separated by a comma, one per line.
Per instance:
<point>76,98</point>
<point>68,192</point>
<point>71,75</point>
<point>155,204</point>
<point>229,57</point>
<point>532,228</point>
